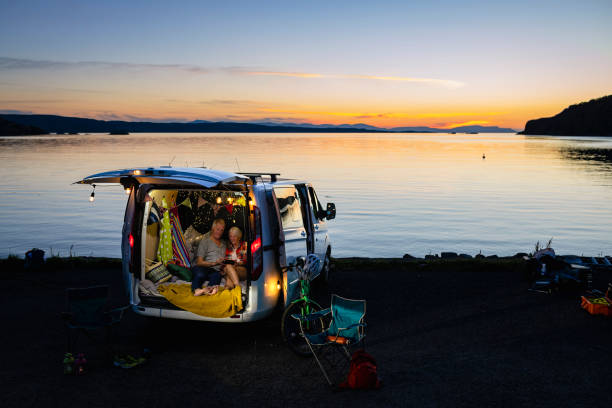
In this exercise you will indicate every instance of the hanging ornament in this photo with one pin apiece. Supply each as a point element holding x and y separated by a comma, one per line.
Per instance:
<point>186,203</point>
<point>201,202</point>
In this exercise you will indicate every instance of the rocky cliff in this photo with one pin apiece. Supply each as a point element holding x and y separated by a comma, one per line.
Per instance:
<point>592,118</point>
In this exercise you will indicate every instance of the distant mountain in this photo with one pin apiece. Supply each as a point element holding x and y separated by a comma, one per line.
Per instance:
<point>592,118</point>
<point>8,128</point>
<point>481,129</point>
<point>65,124</point>
<point>409,129</point>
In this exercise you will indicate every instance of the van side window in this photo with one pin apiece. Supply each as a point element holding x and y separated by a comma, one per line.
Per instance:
<point>315,204</point>
<point>289,206</point>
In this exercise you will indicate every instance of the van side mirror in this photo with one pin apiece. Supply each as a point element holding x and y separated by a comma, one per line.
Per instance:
<point>331,211</point>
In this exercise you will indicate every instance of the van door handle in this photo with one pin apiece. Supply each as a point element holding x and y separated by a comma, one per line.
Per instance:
<point>303,233</point>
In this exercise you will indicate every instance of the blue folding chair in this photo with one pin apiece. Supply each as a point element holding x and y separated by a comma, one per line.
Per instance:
<point>345,331</point>
<point>88,312</point>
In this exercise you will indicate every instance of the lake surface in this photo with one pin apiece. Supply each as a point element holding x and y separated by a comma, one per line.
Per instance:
<point>395,193</point>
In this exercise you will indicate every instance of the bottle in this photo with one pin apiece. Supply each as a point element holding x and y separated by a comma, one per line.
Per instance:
<point>79,364</point>
<point>68,364</point>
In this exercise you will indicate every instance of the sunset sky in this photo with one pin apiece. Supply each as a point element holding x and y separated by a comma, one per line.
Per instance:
<point>387,63</point>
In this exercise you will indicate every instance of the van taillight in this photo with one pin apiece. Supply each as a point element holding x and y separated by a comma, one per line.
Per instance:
<point>131,239</point>
<point>256,247</point>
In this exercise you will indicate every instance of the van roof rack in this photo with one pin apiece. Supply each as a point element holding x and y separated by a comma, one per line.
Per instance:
<point>253,176</point>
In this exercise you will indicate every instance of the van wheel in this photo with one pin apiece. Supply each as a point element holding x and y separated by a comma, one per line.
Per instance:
<point>326,268</point>
<point>290,327</point>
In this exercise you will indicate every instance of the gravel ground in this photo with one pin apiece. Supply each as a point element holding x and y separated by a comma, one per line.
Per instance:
<point>441,338</point>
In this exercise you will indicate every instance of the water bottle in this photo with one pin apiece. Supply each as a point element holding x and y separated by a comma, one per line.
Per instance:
<point>68,364</point>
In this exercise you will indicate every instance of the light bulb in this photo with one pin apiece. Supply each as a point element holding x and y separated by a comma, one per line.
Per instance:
<point>128,191</point>
<point>92,197</point>
<point>219,200</point>
<point>230,199</point>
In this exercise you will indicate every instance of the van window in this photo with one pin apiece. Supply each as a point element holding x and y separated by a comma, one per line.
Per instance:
<point>315,205</point>
<point>289,206</point>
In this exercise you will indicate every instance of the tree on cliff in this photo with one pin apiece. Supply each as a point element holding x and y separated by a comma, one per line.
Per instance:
<point>592,118</point>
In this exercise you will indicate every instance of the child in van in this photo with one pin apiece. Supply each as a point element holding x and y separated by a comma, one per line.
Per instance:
<point>234,269</point>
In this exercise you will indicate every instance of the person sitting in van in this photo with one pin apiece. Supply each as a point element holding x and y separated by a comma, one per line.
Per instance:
<point>235,269</point>
<point>209,260</point>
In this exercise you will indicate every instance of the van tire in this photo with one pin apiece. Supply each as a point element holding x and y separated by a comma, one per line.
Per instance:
<point>290,327</point>
<point>325,271</point>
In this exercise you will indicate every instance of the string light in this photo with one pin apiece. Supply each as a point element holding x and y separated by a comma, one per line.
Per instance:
<point>230,199</point>
<point>92,197</point>
<point>219,200</point>
<point>128,190</point>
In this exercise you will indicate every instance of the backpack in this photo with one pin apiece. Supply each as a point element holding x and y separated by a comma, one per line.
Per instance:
<point>362,373</point>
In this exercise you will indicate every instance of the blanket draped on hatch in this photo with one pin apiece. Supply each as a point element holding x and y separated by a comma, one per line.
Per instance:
<point>225,303</point>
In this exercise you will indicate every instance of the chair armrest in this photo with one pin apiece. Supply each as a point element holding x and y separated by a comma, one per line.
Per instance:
<point>116,314</point>
<point>312,316</point>
<point>352,326</point>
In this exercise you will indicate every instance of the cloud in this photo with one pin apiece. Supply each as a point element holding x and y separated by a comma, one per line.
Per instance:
<point>21,64</point>
<point>431,81</point>
<point>468,123</point>
<point>15,112</point>
<point>7,63</point>
<point>226,102</point>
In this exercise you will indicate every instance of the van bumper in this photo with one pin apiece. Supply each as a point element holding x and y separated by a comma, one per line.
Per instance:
<point>185,315</point>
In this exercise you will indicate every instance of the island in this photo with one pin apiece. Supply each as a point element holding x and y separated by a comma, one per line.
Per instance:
<point>592,118</point>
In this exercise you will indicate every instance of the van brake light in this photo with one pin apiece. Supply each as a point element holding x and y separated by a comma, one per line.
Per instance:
<point>131,239</point>
<point>256,245</point>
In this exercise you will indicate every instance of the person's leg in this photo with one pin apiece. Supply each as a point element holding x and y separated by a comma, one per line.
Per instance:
<point>231,277</point>
<point>241,272</point>
<point>199,277</point>
<point>214,277</point>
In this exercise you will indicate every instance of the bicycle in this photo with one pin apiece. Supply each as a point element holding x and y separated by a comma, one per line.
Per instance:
<point>302,306</point>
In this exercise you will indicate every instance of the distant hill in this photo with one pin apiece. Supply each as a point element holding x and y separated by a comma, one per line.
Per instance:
<point>403,129</point>
<point>65,124</point>
<point>592,118</point>
<point>8,128</point>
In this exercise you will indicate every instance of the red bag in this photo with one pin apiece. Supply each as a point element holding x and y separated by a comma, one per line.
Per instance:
<point>362,373</point>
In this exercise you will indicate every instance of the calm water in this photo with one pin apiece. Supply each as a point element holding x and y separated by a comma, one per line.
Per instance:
<point>395,194</point>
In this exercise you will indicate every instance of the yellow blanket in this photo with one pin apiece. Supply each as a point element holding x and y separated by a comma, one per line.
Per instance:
<point>224,303</point>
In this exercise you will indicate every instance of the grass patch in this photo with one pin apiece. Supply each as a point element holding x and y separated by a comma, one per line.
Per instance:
<point>14,264</point>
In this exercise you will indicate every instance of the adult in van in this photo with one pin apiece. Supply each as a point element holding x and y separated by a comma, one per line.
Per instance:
<point>235,258</point>
<point>209,260</point>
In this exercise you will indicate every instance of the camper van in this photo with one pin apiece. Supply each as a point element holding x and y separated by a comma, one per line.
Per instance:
<point>280,219</point>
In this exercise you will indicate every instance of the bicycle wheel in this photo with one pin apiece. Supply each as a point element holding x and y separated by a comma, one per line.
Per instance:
<point>290,327</point>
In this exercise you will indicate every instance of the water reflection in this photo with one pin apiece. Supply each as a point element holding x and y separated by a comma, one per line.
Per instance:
<point>418,193</point>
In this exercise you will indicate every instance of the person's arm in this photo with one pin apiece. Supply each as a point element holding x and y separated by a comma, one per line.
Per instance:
<point>201,262</point>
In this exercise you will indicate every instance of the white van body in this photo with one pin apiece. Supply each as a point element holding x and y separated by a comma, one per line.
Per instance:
<point>282,220</point>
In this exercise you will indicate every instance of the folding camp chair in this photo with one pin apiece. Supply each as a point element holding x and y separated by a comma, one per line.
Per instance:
<point>345,331</point>
<point>88,312</point>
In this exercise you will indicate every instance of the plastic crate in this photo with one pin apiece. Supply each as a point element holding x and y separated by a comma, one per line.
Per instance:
<point>601,305</point>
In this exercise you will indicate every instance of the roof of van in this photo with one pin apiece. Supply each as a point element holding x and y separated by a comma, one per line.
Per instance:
<point>195,175</point>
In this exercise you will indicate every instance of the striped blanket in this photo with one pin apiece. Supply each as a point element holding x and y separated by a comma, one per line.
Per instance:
<point>179,246</point>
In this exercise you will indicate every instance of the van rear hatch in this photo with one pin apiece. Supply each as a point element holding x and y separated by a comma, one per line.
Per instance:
<point>163,175</point>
